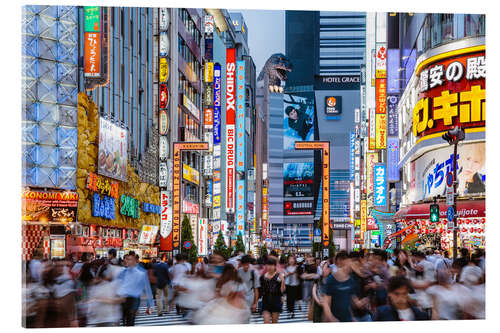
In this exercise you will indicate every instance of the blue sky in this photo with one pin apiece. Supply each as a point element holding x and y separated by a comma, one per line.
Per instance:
<point>266,34</point>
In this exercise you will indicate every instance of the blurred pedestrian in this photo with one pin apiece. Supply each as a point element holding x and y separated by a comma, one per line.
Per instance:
<point>272,287</point>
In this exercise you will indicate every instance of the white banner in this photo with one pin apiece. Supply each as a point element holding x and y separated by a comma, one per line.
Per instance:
<point>163,177</point>
<point>164,18</point>
<point>203,237</point>
<point>164,44</point>
<point>163,147</point>
<point>166,214</point>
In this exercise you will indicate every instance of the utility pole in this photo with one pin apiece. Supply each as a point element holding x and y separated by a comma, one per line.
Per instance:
<point>453,137</point>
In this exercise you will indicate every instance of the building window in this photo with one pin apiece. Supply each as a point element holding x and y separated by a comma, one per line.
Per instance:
<point>474,25</point>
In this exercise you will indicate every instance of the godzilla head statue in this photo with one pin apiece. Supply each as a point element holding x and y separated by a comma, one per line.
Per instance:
<point>276,67</point>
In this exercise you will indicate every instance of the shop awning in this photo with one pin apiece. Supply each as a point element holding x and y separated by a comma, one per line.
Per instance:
<point>465,209</point>
<point>80,249</point>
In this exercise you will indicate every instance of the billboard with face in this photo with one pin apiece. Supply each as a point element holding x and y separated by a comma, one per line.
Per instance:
<point>298,118</point>
<point>428,172</point>
<point>298,179</point>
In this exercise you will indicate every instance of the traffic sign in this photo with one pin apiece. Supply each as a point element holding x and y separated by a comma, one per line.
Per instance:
<point>325,252</point>
<point>187,245</point>
<point>317,232</point>
<point>450,213</point>
<point>317,239</point>
<point>450,196</point>
<point>450,225</point>
<point>449,179</point>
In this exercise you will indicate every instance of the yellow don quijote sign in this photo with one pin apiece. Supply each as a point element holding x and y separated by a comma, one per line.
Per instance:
<point>451,91</point>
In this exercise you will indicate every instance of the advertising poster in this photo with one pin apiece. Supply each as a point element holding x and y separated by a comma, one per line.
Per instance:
<point>380,183</point>
<point>208,197</point>
<point>297,120</point>
<point>190,174</point>
<point>49,206</point>
<point>392,159</point>
<point>230,127</point>
<point>298,179</point>
<point>148,234</point>
<point>429,176</point>
<point>299,207</point>
<point>92,54</point>
<point>217,104</point>
<point>452,93</point>
<point>240,116</point>
<point>202,237</point>
<point>113,140</point>
<point>240,207</point>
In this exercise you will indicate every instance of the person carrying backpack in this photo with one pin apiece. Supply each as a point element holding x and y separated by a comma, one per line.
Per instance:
<point>251,280</point>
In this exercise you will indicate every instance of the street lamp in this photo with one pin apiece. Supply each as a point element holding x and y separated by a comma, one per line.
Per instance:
<point>453,137</point>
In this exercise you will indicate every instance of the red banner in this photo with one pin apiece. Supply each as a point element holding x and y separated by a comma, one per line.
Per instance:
<point>92,54</point>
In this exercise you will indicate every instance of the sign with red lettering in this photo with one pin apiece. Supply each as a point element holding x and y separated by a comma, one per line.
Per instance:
<point>163,96</point>
<point>230,127</point>
<point>452,92</point>
<point>49,206</point>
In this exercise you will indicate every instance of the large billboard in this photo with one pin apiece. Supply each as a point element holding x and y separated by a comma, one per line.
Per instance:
<point>428,176</point>
<point>49,206</point>
<point>217,103</point>
<point>298,207</point>
<point>230,128</point>
<point>298,179</point>
<point>240,116</point>
<point>452,93</point>
<point>113,140</point>
<point>298,118</point>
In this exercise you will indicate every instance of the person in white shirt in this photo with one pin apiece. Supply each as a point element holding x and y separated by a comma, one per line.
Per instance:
<point>251,280</point>
<point>292,285</point>
<point>448,298</point>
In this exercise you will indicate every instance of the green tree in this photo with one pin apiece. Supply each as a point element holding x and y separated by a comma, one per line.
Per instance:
<point>220,246</point>
<point>331,246</point>
<point>263,250</point>
<point>187,235</point>
<point>240,246</point>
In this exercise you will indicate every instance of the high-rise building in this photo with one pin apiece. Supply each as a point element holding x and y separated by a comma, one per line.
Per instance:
<point>327,70</point>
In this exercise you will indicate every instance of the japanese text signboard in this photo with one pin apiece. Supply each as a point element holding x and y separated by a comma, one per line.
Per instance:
<point>92,55</point>
<point>240,207</point>
<point>371,159</point>
<point>371,129</point>
<point>325,179</point>
<point>392,159</point>
<point>392,116</point>
<point>230,127</point>
<point>240,116</point>
<point>178,148</point>
<point>381,61</point>
<point>217,103</point>
<point>166,221</point>
<point>381,131</point>
<point>380,183</point>
<point>203,237</point>
<point>92,18</point>
<point>452,92</point>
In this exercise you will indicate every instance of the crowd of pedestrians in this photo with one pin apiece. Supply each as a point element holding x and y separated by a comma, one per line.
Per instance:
<point>356,286</point>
